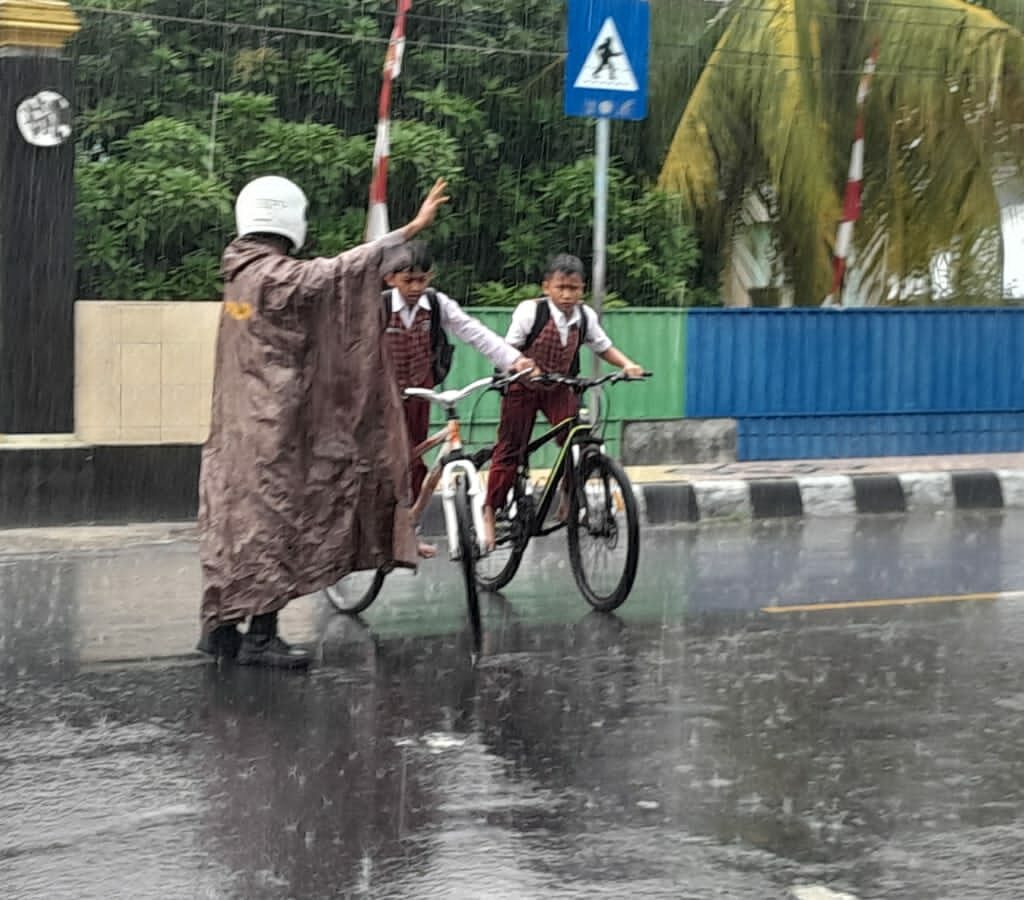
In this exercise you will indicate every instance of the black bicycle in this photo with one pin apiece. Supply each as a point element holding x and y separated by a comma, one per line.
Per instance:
<point>596,505</point>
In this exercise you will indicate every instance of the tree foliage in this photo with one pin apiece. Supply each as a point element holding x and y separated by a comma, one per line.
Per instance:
<point>181,102</point>
<point>772,112</point>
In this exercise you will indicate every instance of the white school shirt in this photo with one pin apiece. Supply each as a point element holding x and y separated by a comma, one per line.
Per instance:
<point>526,313</point>
<point>460,325</point>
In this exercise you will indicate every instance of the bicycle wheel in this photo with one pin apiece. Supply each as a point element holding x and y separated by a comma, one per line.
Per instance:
<point>513,528</point>
<point>467,554</point>
<point>354,593</point>
<point>604,532</point>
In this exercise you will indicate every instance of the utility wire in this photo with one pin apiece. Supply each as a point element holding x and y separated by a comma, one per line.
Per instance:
<point>506,51</point>
<point>311,32</point>
<point>766,8</point>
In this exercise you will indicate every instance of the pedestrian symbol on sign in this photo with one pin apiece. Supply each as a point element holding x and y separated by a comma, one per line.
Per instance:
<point>607,54</point>
<point>603,70</point>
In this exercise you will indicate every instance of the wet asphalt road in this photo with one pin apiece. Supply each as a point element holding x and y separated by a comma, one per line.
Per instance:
<point>693,746</point>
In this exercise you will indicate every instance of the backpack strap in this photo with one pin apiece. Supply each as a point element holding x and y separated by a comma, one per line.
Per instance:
<point>574,367</point>
<point>435,316</point>
<point>540,319</point>
<point>441,349</point>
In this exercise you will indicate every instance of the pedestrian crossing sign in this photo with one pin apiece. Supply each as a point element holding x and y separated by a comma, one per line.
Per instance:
<point>606,63</point>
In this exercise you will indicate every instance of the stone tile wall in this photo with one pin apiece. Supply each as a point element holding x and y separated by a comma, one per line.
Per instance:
<point>144,371</point>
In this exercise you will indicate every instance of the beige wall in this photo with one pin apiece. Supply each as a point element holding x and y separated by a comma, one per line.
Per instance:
<point>144,371</point>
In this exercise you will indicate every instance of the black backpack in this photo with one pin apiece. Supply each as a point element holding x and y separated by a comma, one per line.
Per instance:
<point>542,318</point>
<point>441,350</point>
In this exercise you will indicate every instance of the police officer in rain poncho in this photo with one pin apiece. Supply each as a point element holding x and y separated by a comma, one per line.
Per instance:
<point>304,477</point>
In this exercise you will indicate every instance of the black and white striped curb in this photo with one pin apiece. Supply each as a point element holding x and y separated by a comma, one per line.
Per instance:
<point>830,495</point>
<point>677,502</point>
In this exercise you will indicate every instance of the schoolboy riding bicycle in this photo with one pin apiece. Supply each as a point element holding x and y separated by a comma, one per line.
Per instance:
<point>551,330</point>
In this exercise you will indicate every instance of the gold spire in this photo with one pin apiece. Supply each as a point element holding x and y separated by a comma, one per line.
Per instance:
<point>46,24</point>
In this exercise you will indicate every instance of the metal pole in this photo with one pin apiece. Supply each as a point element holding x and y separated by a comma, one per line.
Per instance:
<point>213,134</point>
<point>602,140</point>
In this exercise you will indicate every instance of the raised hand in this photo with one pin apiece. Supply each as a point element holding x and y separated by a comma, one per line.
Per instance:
<point>428,211</point>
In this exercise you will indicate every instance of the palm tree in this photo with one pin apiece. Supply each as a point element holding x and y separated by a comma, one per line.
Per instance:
<point>771,118</point>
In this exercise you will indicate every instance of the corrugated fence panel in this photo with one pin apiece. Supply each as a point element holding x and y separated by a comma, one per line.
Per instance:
<point>655,338</point>
<point>799,362</point>
<point>896,434</point>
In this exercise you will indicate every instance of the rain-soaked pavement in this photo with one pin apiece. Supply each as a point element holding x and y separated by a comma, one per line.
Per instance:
<point>693,746</point>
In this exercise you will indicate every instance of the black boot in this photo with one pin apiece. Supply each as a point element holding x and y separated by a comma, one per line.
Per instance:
<point>262,647</point>
<point>222,642</point>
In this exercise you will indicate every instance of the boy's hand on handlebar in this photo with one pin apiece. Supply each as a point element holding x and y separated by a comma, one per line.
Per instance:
<point>632,370</point>
<point>510,377</point>
<point>547,377</point>
<point>523,364</point>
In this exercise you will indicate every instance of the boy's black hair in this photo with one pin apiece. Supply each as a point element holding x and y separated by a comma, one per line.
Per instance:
<point>415,256</point>
<point>565,264</point>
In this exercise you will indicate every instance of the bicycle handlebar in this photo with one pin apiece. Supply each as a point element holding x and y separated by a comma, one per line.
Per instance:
<point>450,398</point>
<point>583,384</point>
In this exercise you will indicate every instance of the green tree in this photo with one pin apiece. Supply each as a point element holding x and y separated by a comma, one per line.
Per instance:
<point>214,94</point>
<point>772,113</point>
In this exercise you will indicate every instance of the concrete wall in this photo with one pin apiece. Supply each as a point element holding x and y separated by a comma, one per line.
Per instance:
<point>144,371</point>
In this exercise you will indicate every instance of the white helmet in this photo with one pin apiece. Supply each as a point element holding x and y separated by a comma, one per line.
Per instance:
<point>272,205</point>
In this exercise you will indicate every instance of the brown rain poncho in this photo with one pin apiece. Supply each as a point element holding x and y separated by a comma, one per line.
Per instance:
<point>305,474</point>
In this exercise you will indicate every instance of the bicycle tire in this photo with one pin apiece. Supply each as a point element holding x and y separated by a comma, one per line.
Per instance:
<point>521,526</point>
<point>467,555</point>
<point>595,463</point>
<point>336,597</point>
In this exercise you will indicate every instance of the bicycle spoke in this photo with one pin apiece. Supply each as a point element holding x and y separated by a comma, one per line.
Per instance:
<point>495,569</point>
<point>603,522</point>
<point>604,533</point>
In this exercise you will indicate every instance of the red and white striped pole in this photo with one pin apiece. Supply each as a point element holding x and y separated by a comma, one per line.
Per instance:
<point>377,215</point>
<point>854,181</point>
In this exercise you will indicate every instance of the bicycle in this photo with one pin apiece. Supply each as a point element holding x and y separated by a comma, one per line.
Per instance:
<point>462,502</point>
<point>601,506</point>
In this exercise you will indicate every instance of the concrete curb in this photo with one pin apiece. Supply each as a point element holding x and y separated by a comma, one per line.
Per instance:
<point>812,496</point>
<point>816,496</point>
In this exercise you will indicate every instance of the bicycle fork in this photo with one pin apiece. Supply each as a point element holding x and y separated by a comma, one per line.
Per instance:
<point>476,503</point>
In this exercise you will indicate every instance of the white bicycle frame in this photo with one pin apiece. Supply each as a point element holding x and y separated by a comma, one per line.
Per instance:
<point>448,400</point>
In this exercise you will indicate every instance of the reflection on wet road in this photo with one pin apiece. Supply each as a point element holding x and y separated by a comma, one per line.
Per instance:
<point>692,747</point>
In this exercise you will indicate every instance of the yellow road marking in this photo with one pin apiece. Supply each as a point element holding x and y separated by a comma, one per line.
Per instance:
<point>893,601</point>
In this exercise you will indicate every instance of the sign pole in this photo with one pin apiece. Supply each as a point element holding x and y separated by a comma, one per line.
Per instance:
<point>607,43</point>
<point>601,152</point>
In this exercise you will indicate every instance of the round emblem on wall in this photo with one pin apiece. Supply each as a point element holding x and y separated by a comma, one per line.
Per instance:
<point>44,119</point>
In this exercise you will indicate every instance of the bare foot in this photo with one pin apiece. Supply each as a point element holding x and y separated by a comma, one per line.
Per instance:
<point>426,551</point>
<point>489,539</point>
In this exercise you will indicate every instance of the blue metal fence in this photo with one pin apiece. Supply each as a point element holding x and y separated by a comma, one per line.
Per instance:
<point>784,362</point>
<point>820,383</point>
